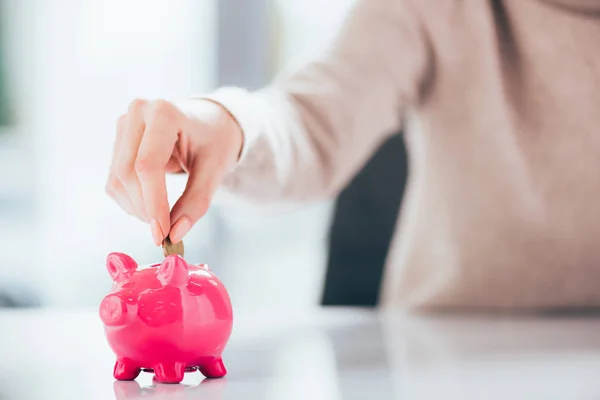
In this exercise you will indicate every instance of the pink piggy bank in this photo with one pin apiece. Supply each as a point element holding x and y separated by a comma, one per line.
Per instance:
<point>168,318</point>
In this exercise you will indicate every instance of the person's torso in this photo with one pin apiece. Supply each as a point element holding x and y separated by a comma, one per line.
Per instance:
<point>503,204</point>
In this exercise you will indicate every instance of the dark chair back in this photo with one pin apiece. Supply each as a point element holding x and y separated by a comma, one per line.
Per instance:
<point>363,224</point>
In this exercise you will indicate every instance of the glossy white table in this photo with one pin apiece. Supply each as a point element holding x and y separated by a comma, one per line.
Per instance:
<point>333,354</point>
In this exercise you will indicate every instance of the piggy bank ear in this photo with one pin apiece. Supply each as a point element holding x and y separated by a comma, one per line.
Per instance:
<point>120,266</point>
<point>173,271</point>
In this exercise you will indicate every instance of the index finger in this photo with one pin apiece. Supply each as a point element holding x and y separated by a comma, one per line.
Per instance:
<point>156,148</point>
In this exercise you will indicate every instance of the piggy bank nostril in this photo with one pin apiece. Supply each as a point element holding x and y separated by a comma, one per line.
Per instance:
<point>112,310</point>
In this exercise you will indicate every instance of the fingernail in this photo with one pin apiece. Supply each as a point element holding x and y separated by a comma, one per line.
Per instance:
<point>156,232</point>
<point>181,227</point>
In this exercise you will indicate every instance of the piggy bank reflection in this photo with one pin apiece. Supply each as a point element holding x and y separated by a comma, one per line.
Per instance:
<point>207,389</point>
<point>169,318</point>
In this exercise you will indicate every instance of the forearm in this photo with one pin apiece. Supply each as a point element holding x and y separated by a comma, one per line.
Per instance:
<point>308,133</point>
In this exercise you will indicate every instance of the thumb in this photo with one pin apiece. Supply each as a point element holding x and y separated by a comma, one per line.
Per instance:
<point>195,200</point>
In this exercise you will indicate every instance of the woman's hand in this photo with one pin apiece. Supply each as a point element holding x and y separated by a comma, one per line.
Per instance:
<point>154,138</point>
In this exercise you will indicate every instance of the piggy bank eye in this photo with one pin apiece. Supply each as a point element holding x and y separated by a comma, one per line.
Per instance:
<point>127,294</point>
<point>194,286</point>
<point>160,307</point>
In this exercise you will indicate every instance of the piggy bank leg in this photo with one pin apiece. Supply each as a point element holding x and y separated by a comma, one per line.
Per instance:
<point>214,369</point>
<point>169,372</point>
<point>125,370</point>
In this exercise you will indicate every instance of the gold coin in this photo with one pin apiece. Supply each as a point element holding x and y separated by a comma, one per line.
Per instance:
<point>172,248</point>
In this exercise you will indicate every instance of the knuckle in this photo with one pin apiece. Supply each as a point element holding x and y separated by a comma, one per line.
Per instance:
<point>137,105</point>
<point>111,185</point>
<point>163,109</point>
<point>121,122</point>
<point>144,164</point>
<point>109,190</point>
<point>121,171</point>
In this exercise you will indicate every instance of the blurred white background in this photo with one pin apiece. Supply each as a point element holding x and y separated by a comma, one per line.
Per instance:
<point>73,67</point>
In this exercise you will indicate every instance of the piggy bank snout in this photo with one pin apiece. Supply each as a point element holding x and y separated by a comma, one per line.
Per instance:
<point>113,310</point>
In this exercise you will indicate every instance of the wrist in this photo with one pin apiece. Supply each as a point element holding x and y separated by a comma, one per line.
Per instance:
<point>244,109</point>
<point>215,118</point>
<point>230,126</point>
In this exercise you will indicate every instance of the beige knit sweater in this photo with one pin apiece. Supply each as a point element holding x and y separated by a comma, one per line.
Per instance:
<point>501,105</point>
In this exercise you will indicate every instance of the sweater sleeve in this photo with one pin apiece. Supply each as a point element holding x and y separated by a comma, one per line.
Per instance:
<point>310,131</point>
